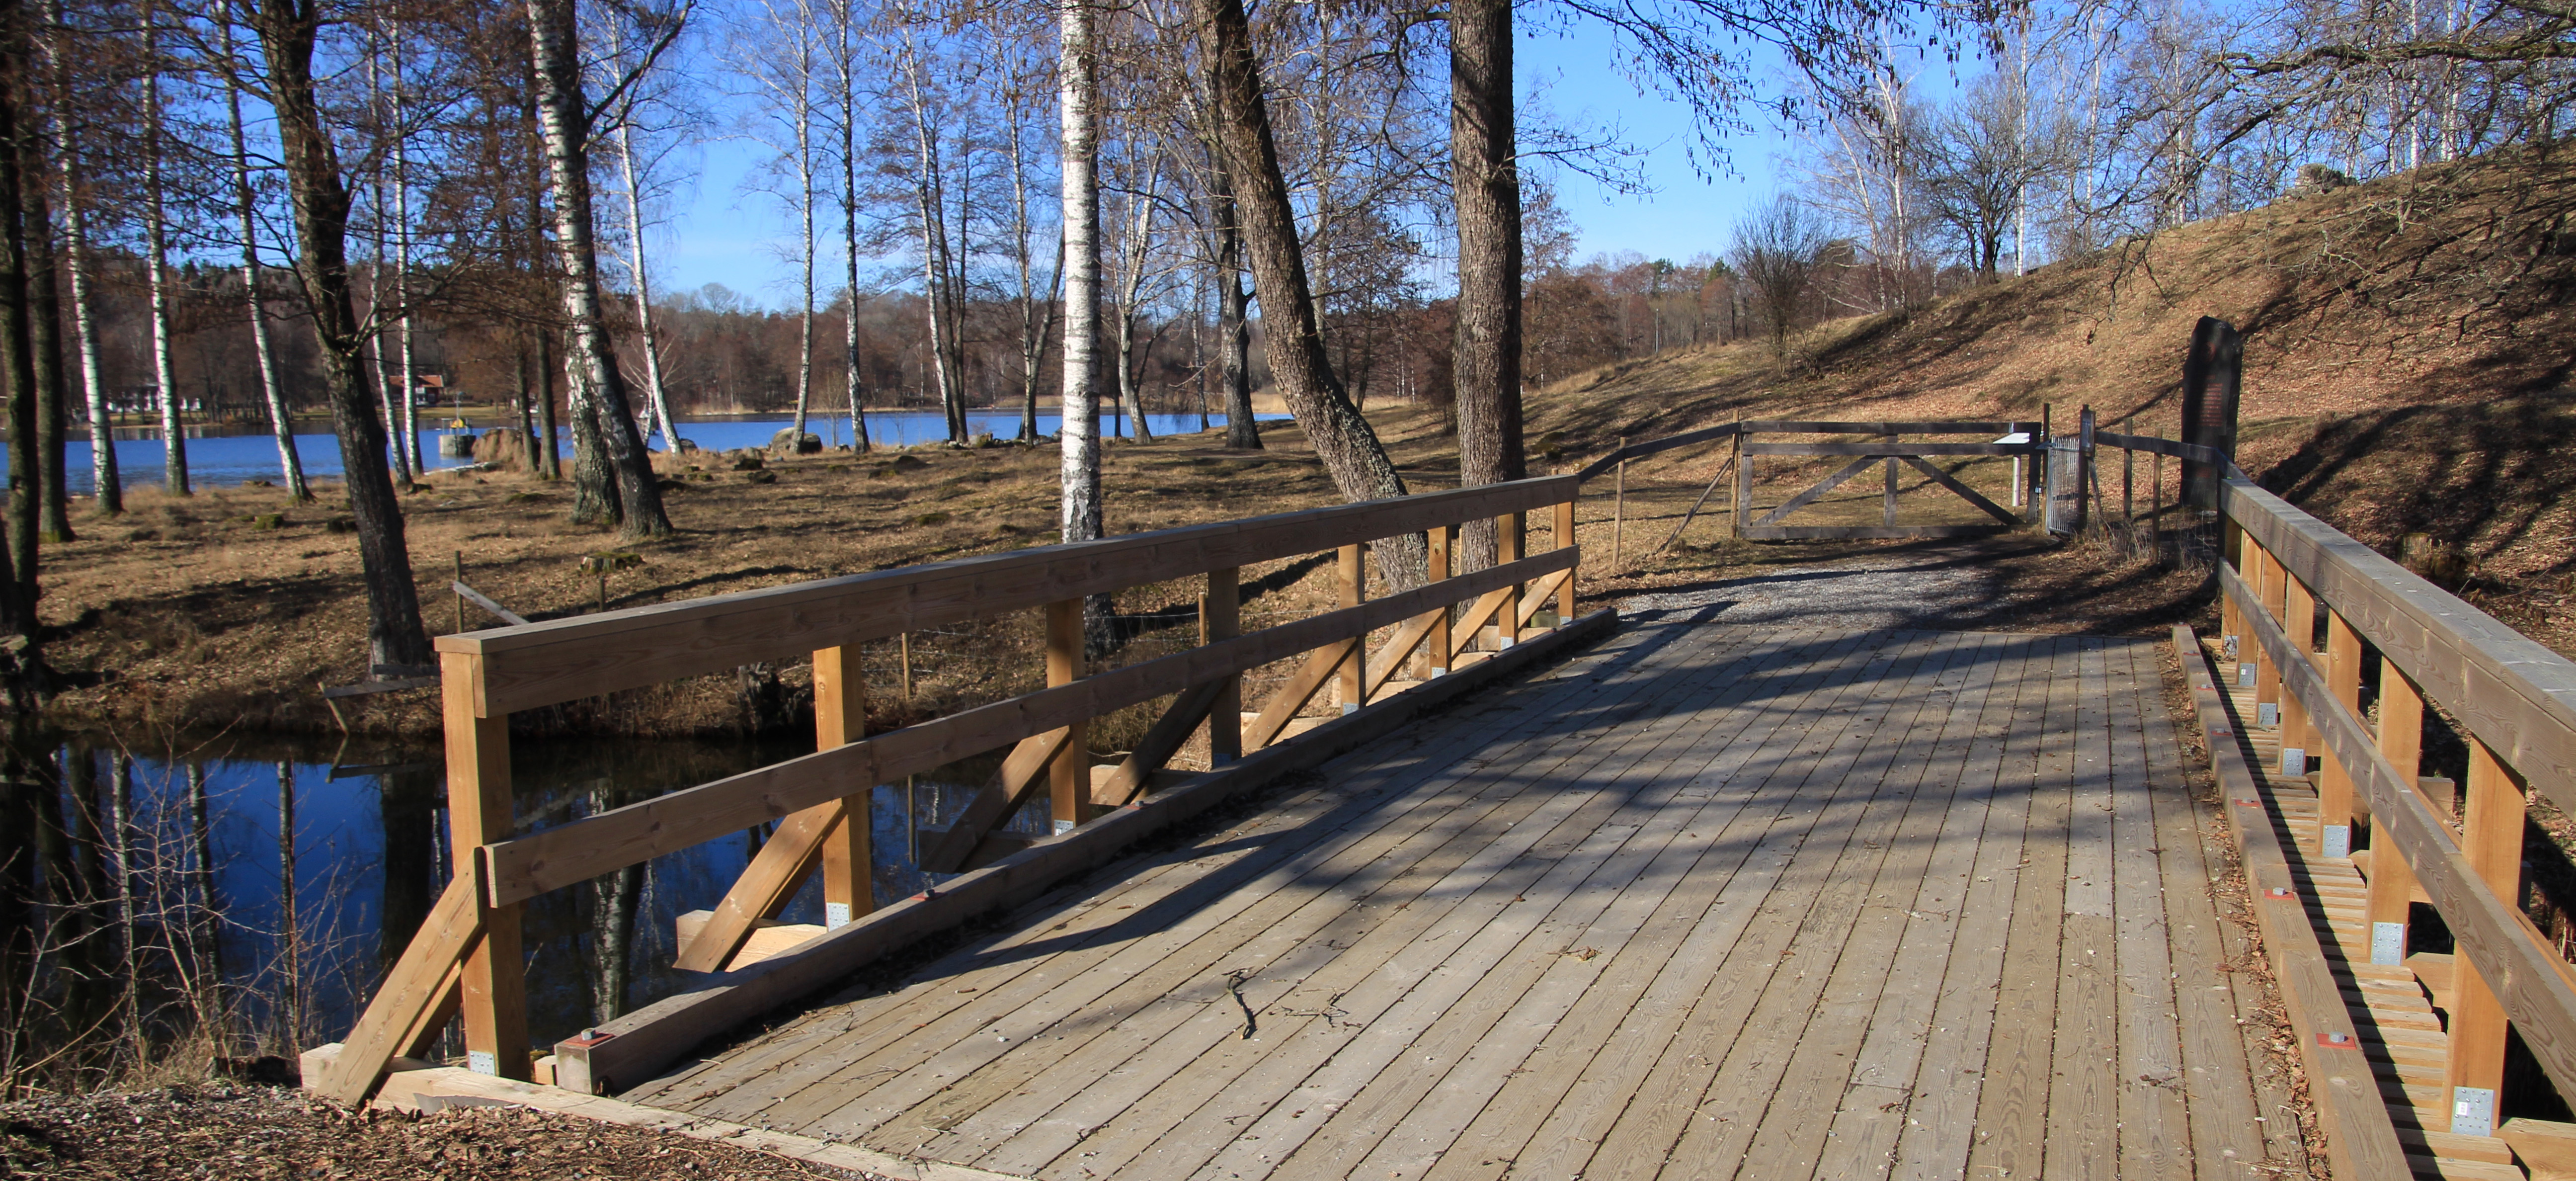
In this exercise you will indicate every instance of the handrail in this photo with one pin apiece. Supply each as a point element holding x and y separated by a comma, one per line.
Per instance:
<point>2515,703</point>
<point>560,660</point>
<point>471,962</point>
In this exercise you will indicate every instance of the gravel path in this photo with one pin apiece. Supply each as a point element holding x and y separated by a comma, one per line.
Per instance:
<point>1923,590</point>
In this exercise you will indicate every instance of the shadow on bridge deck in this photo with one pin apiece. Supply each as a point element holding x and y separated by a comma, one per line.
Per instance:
<point>1706,901</point>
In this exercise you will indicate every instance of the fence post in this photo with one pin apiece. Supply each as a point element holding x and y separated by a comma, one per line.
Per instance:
<point>2212,374</point>
<point>1743,486</point>
<point>2491,837</point>
<point>2392,881</point>
<point>1509,536</point>
<point>1619,509</point>
<point>1887,498</point>
<point>2298,616</point>
<point>1069,776</point>
<point>1352,583</point>
<point>841,717</point>
<point>2267,677</point>
<point>1565,540</point>
<point>480,810</point>
<point>1222,619</point>
<point>2334,784</point>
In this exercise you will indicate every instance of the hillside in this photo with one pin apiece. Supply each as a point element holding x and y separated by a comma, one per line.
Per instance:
<point>2408,344</point>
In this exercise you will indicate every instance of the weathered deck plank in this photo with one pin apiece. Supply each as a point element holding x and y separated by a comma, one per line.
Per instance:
<point>1709,902</point>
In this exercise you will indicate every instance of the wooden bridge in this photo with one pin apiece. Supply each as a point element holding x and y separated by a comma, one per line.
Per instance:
<point>1490,888</point>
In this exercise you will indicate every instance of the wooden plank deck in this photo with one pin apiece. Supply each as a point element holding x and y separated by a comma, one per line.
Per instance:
<point>1706,901</point>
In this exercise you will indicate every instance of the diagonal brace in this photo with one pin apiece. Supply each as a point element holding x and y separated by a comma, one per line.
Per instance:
<point>1021,774</point>
<point>1966,493</point>
<point>1811,495</point>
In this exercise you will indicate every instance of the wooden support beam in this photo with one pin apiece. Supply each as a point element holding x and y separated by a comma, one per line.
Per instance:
<point>1221,618</point>
<point>1883,450</point>
<point>2491,839</point>
<point>1535,599</point>
<point>1812,494</point>
<point>1031,762</point>
<point>1436,661</point>
<point>2334,784</point>
<point>1160,743</point>
<point>1887,495</point>
<point>2392,881</point>
<point>1743,490</point>
<point>1964,492</point>
<point>2267,597</point>
<point>1301,688</point>
<point>1478,614</point>
<point>1510,534</point>
<point>480,811</point>
<point>764,888</point>
<point>418,985</point>
<point>1069,775</point>
<point>849,856</point>
<point>1565,540</point>
<point>1350,582</point>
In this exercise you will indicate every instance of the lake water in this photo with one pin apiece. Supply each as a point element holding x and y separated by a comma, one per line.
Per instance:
<point>219,460</point>
<point>368,845</point>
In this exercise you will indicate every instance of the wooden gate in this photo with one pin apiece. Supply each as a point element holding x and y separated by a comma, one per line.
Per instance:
<point>1890,453</point>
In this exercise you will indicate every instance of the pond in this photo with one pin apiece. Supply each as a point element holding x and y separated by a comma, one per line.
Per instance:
<point>293,874</point>
<point>234,458</point>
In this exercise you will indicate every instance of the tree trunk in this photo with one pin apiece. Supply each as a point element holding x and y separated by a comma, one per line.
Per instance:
<point>281,420</point>
<point>320,196</point>
<point>592,362</point>
<point>1079,79</point>
<point>805,254</point>
<point>1486,180</point>
<point>17,358</point>
<point>410,394</point>
<point>44,336</point>
<point>594,483</point>
<point>107,484</point>
<point>1234,326</point>
<point>1350,450</point>
<point>548,426</point>
<point>845,64</point>
<point>156,248</point>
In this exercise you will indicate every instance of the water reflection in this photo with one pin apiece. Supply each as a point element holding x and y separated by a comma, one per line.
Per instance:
<point>247,893</point>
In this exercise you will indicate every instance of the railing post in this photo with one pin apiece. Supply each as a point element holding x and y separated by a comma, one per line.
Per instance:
<point>1069,776</point>
<point>1565,540</point>
<point>841,717</point>
<point>2334,783</point>
<point>1221,618</point>
<point>480,810</point>
<point>2392,881</point>
<point>2491,837</point>
<point>1743,487</point>
<point>1351,583</point>
<point>2267,677</point>
<point>1436,647</point>
<point>1509,536</point>
<point>1887,498</point>
<point>2298,616</point>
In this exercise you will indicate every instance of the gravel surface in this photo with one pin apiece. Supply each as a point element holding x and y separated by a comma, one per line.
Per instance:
<point>227,1131</point>
<point>1923,590</point>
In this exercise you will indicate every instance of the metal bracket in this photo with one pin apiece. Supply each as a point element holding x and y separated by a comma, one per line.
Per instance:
<point>2267,714</point>
<point>482,1062</point>
<point>2388,944</point>
<point>2338,840</point>
<point>2294,762</point>
<point>2473,1111</point>
<point>836,914</point>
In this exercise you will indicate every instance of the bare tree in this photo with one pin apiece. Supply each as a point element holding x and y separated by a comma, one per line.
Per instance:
<point>1485,172</point>
<point>245,208</point>
<point>156,247</point>
<point>568,121</point>
<point>1776,251</point>
<point>1292,333</point>
<point>1078,83</point>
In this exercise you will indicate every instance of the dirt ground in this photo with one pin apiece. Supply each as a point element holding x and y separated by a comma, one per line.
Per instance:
<point>222,1130</point>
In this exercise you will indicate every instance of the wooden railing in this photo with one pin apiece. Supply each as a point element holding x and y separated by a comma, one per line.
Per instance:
<point>467,959</point>
<point>1885,452</point>
<point>2514,704</point>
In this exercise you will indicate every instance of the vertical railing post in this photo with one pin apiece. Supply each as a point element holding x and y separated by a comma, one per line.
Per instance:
<point>2392,880</point>
<point>2334,783</point>
<point>1221,618</point>
<point>2298,616</point>
<point>1351,584</point>
<point>1509,536</point>
<point>1069,776</point>
<point>1565,540</point>
<point>2267,677</point>
<point>840,718</point>
<point>1887,498</point>
<point>480,810</point>
<point>1743,486</point>
<point>1436,648</point>
<point>2491,838</point>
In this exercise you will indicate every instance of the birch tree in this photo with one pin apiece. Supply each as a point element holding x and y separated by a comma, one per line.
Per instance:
<point>780,52</point>
<point>1077,77</point>
<point>156,249</point>
<point>568,120</point>
<point>245,221</point>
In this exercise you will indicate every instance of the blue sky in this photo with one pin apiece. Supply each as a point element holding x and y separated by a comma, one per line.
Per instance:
<point>722,234</point>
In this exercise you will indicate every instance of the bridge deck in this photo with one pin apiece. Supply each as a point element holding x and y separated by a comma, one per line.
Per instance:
<point>1707,901</point>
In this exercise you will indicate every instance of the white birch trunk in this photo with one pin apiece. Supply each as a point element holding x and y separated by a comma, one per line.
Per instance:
<point>1079,88</point>
<point>844,64</point>
<point>106,482</point>
<point>657,404</point>
<point>156,244</point>
<point>281,421</point>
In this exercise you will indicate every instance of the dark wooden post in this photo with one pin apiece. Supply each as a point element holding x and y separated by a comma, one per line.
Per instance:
<point>1353,584</point>
<point>2213,373</point>
<point>840,718</point>
<point>481,810</point>
<point>1221,618</point>
<point>1437,648</point>
<point>1069,776</point>
<point>1888,498</point>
